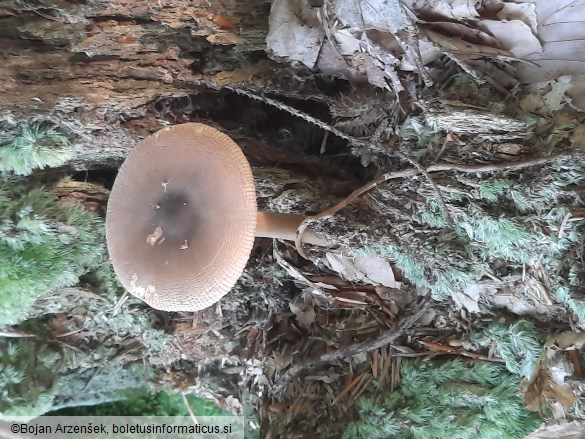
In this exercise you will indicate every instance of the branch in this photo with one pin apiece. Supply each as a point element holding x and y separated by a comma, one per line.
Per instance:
<point>383,339</point>
<point>413,171</point>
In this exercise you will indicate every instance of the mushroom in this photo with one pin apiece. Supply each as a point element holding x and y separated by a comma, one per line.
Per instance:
<point>182,217</point>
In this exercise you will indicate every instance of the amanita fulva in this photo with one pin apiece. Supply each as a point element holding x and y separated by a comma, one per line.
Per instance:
<point>182,218</point>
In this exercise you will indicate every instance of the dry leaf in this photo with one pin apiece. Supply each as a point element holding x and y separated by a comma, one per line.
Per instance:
<point>525,12</point>
<point>571,430</point>
<point>469,297</point>
<point>304,313</point>
<point>367,269</point>
<point>531,102</point>
<point>462,9</point>
<point>547,386</point>
<point>294,31</point>
<point>515,302</point>
<point>554,100</point>
<point>567,341</point>
<point>331,63</point>
<point>377,269</point>
<point>385,16</point>
<point>561,30</point>
<point>364,64</point>
<point>342,265</point>
<point>452,9</point>
<point>578,136</point>
<point>346,42</point>
<point>515,36</point>
<point>542,390</point>
<point>547,97</point>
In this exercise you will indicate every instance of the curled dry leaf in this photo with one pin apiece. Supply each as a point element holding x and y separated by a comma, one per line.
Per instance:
<point>464,49</point>
<point>366,268</point>
<point>304,313</point>
<point>469,297</point>
<point>464,32</point>
<point>515,36</point>
<point>561,30</point>
<point>547,386</point>
<point>567,341</point>
<point>294,31</point>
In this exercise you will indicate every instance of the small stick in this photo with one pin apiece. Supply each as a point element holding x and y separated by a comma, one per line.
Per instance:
<point>432,182</point>
<point>409,173</point>
<point>383,339</point>
<point>190,409</point>
<point>15,334</point>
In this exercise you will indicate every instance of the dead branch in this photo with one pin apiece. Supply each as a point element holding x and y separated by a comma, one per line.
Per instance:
<point>432,182</point>
<point>383,339</point>
<point>413,171</point>
<point>16,334</point>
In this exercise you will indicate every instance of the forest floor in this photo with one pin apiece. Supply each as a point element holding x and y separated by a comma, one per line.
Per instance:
<point>446,170</point>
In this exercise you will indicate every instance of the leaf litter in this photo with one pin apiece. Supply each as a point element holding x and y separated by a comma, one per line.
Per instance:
<point>374,39</point>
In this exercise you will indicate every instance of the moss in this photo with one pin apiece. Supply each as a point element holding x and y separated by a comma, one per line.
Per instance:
<point>518,344</point>
<point>45,245</point>
<point>26,377</point>
<point>143,402</point>
<point>516,219</point>
<point>448,400</point>
<point>29,145</point>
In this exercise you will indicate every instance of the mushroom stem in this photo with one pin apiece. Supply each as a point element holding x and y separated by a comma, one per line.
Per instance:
<point>284,226</point>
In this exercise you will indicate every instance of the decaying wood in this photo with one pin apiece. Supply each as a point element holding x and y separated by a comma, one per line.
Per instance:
<point>118,56</point>
<point>106,70</point>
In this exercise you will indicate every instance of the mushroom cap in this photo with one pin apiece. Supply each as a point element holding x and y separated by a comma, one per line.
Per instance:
<point>181,218</point>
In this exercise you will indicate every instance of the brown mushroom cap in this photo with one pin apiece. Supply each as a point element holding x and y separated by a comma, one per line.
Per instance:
<point>181,218</point>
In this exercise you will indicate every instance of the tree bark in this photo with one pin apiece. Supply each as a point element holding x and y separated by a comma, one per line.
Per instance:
<point>108,70</point>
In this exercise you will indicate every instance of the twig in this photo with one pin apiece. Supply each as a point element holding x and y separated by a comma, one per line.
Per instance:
<point>276,104</point>
<point>48,17</point>
<point>573,250</point>
<point>14,334</point>
<point>513,166</point>
<point>98,370</point>
<point>452,352</point>
<point>190,409</point>
<point>563,225</point>
<point>67,334</point>
<point>120,302</point>
<point>449,138</point>
<point>383,339</point>
<point>295,112</point>
<point>432,182</point>
<point>354,382</point>
<point>409,173</point>
<point>324,143</point>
